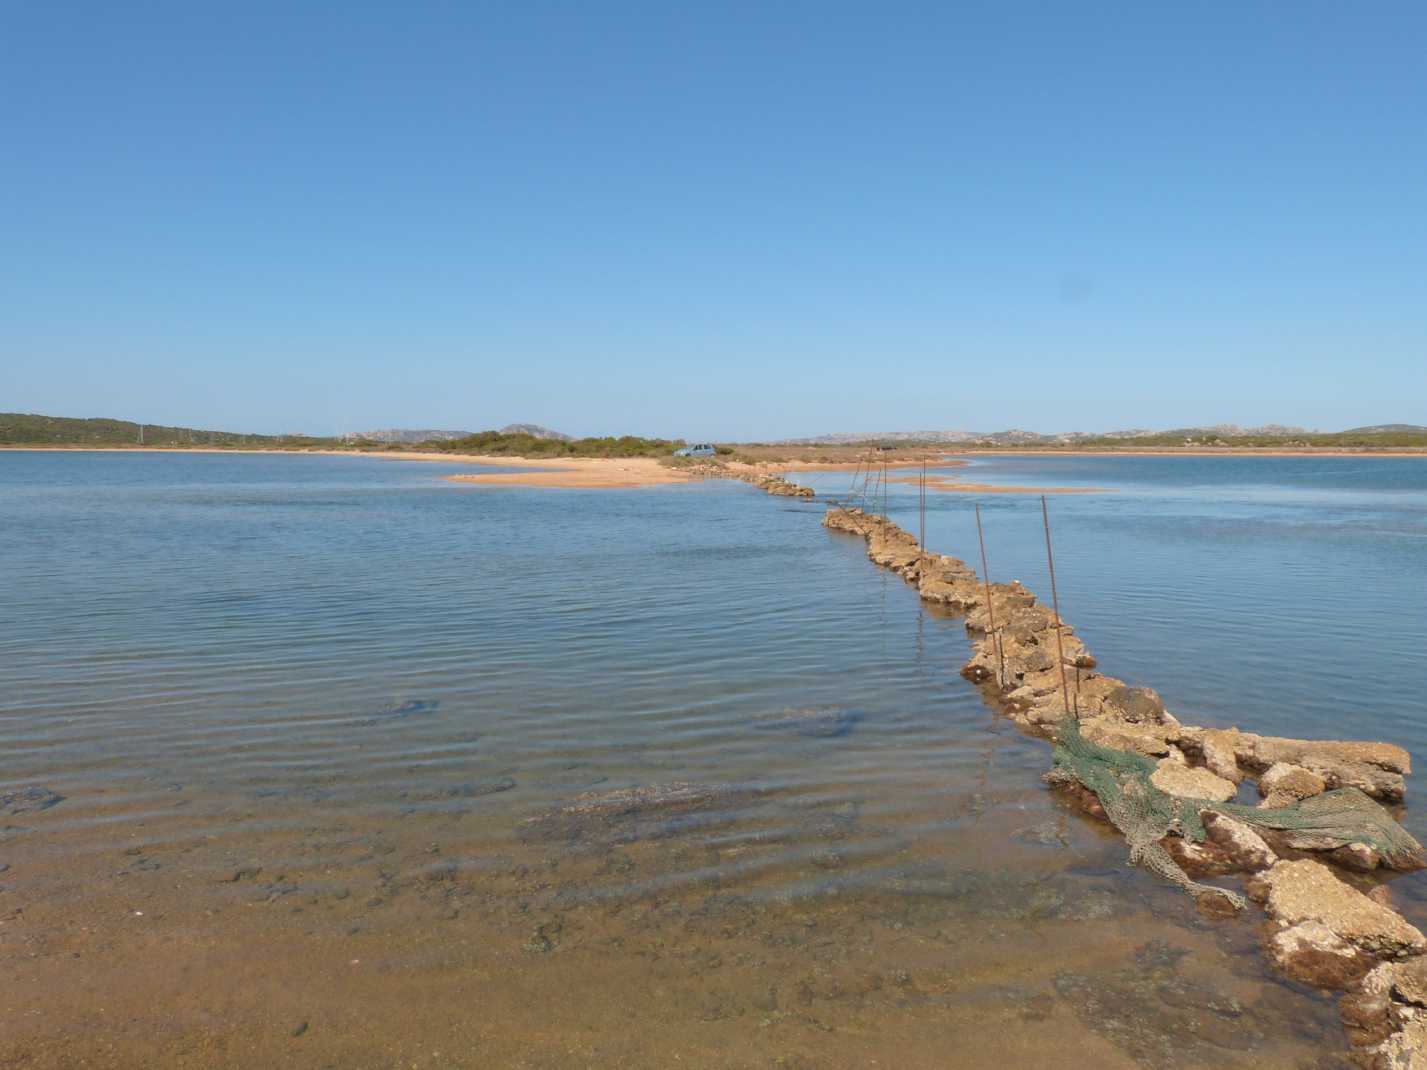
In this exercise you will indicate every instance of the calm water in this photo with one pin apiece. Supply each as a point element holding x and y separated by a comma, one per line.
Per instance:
<point>1287,595</point>
<point>300,707</point>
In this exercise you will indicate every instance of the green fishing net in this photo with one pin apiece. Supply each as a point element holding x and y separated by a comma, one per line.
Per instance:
<point>1145,814</point>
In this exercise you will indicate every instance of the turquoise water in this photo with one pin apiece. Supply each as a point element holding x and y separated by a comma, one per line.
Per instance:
<point>278,694</point>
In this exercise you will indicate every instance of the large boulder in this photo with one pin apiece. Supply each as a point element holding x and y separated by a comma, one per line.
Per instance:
<point>1191,783</point>
<point>1304,890</point>
<point>1376,769</point>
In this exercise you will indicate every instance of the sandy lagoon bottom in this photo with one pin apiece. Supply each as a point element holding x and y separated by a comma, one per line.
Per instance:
<point>775,930</point>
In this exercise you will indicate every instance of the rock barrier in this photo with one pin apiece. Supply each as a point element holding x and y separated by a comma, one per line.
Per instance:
<point>776,485</point>
<point>1325,931</point>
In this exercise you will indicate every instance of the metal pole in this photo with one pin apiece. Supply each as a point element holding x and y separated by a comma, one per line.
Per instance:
<point>990,610</point>
<point>922,509</point>
<point>1055,603</point>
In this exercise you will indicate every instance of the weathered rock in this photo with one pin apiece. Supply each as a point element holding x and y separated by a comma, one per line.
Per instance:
<point>1305,890</point>
<point>1242,844</point>
<point>1152,741</point>
<point>1191,783</point>
<point>1386,1011</point>
<point>1314,954</point>
<point>1034,660</point>
<point>1273,749</point>
<point>1374,768</point>
<point>954,595</point>
<point>1405,1049</point>
<point>1205,859</point>
<point>1278,800</point>
<point>1137,705</point>
<point>1291,780</point>
<point>1219,754</point>
<point>1358,856</point>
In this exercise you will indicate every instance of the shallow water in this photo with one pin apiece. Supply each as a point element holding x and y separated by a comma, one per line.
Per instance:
<point>302,710</point>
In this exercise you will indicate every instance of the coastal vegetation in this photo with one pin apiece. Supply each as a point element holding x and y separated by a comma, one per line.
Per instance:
<point>521,444</point>
<point>30,429</point>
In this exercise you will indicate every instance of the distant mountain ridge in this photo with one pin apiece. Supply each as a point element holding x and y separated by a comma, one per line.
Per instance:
<point>34,429</point>
<point>409,436</point>
<point>536,431</point>
<point>405,435</point>
<point>1387,429</point>
<point>1017,436</point>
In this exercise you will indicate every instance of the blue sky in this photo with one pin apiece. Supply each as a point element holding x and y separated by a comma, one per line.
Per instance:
<point>731,220</point>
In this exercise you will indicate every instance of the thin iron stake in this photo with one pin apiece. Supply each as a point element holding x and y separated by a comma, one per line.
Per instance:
<point>1055,603</point>
<point>990,610</point>
<point>922,508</point>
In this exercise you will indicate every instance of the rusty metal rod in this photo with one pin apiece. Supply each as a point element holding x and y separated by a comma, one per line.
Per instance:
<point>922,512</point>
<point>1055,604</point>
<point>990,610</point>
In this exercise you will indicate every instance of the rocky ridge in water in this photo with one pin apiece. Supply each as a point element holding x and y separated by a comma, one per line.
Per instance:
<point>1325,931</point>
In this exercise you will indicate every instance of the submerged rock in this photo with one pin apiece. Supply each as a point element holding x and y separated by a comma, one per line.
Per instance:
<point>1158,1016</point>
<point>628,814</point>
<point>28,800</point>
<point>821,722</point>
<point>402,710</point>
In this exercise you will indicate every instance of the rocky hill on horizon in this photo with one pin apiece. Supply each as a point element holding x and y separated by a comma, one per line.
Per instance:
<point>1018,436</point>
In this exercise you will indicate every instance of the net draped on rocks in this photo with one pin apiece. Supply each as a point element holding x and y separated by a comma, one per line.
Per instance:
<point>1145,815</point>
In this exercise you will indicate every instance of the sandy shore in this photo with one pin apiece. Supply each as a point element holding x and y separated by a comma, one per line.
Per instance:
<point>589,473</point>
<point>622,473</point>
<point>597,473</point>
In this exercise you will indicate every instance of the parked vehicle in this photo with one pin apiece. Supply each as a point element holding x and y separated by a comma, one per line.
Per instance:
<point>703,449</point>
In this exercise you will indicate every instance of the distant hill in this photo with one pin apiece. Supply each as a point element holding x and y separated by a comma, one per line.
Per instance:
<point>536,431</point>
<point>1379,436</point>
<point>413,436</point>
<point>404,435</point>
<point>1388,429</point>
<point>32,429</point>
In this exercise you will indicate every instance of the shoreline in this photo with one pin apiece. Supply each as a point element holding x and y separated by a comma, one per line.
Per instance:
<point>634,473</point>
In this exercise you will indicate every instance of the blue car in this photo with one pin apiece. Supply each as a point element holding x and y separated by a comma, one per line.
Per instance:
<point>701,450</point>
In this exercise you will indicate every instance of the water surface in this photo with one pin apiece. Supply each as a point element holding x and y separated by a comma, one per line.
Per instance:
<point>301,711</point>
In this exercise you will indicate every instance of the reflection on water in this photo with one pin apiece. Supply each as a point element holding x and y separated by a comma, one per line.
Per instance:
<point>323,726</point>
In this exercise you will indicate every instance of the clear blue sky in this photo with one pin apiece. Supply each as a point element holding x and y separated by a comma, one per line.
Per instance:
<point>734,220</point>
